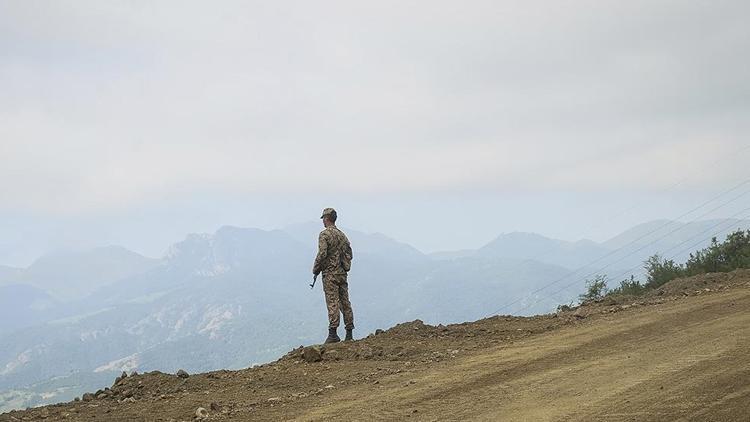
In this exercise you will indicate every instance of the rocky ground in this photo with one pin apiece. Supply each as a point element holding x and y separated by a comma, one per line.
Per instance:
<point>679,352</point>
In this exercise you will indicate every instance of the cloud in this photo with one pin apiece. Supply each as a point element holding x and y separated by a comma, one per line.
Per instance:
<point>113,103</point>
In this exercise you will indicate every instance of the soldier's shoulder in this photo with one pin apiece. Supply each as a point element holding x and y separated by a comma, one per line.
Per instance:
<point>342,234</point>
<point>325,232</point>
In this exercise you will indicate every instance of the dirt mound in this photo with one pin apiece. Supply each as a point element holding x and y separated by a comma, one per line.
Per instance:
<point>464,371</point>
<point>705,283</point>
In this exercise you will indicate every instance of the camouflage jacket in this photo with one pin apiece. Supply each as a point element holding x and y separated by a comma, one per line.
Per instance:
<point>334,252</point>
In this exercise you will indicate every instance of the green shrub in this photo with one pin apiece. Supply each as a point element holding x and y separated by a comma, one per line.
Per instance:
<point>660,271</point>
<point>731,254</point>
<point>631,287</point>
<point>596,288</point>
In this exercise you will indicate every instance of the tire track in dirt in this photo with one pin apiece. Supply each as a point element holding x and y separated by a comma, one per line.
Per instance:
<point>653,364</point>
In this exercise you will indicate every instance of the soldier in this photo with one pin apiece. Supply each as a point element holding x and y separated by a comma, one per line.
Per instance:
<point>334,260</point>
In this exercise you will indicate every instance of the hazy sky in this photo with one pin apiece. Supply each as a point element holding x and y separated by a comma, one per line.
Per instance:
<point>438,123</point>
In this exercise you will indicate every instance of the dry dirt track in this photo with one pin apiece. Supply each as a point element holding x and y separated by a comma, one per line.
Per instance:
<point>683,360</point>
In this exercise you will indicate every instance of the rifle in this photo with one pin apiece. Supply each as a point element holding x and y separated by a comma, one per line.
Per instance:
<point>315,278</point>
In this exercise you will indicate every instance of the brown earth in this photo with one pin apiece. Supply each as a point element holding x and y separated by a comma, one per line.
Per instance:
<point>681,352</point>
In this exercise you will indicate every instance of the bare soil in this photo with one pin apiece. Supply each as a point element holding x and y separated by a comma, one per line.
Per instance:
<point>681,352</point>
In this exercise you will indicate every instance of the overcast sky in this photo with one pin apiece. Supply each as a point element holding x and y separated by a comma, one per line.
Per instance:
<point>439,123</point>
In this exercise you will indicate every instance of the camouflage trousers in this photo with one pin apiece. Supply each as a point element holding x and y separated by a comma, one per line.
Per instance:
<point>336,290</point>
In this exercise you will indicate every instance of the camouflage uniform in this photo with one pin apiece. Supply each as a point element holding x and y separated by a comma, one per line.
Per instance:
<point>332,245</point>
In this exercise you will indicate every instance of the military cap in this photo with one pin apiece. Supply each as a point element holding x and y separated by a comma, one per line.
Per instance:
<point>329,211</point>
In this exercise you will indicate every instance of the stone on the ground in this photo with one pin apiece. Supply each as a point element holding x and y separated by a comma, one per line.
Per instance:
<point>580,313</point>
<point>312,354</point>
<point>88,397</point>
<point>201,413</point>
<point>120,378</point>
<point>182,373</point>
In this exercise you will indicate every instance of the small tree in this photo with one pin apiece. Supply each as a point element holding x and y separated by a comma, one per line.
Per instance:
<point>628,287</point>
<point>596,288</point>
<point>661,270</point>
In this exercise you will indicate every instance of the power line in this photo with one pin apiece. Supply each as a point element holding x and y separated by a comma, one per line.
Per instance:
<point>733,154</point>
<point>617,250</point>
<point>714,234</point>
<point>678,253</point>
<point>664,236</point>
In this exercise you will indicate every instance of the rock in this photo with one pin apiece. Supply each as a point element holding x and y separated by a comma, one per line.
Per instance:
<point>580,313</point>
<point>182,373</point>
<point>201,413</point>
<point>366,352</point>
<point>88,397</point>
<point>312,354</point>
<point>379,331</point>
<point>102,396</point>
<point>215,406</point>
<point>129,400</point>
<point>120,378</point>
<point>274,399</point>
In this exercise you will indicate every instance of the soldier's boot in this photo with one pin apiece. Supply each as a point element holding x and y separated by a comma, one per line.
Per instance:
<point>349,334</point>
<point>333,337</point>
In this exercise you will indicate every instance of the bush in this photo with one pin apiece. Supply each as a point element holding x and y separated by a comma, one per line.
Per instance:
<point>660,271</point>
<point>729,255</point>
<point>628,287</point>
<point>732,254</point>
<point>596,288</point>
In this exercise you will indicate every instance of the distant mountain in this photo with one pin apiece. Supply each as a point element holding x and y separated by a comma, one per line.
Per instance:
<point>23,306</point>
<point>375,244</point>
<point>448,255</point>
<point>539,248</point>
<point>674,238</point>
<point>74,275</point>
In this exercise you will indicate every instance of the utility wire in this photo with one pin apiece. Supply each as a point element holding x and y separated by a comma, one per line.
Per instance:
<point>714,234</point>
<point>732,155</point>
<point>678,253</point>
<point>618,250</point>
<point>667,234</point>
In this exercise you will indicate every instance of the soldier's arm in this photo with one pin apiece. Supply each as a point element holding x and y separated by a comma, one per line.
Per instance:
<point>322,253</point>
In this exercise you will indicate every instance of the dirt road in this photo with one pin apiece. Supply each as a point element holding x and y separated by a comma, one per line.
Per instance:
<point>682,353</point>
<point>685,360</point>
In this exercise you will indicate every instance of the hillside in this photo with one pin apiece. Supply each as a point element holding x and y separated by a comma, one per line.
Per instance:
<point>678,353</point>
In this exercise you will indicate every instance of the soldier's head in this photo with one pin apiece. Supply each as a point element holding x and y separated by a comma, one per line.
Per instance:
<point>329,217</point>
